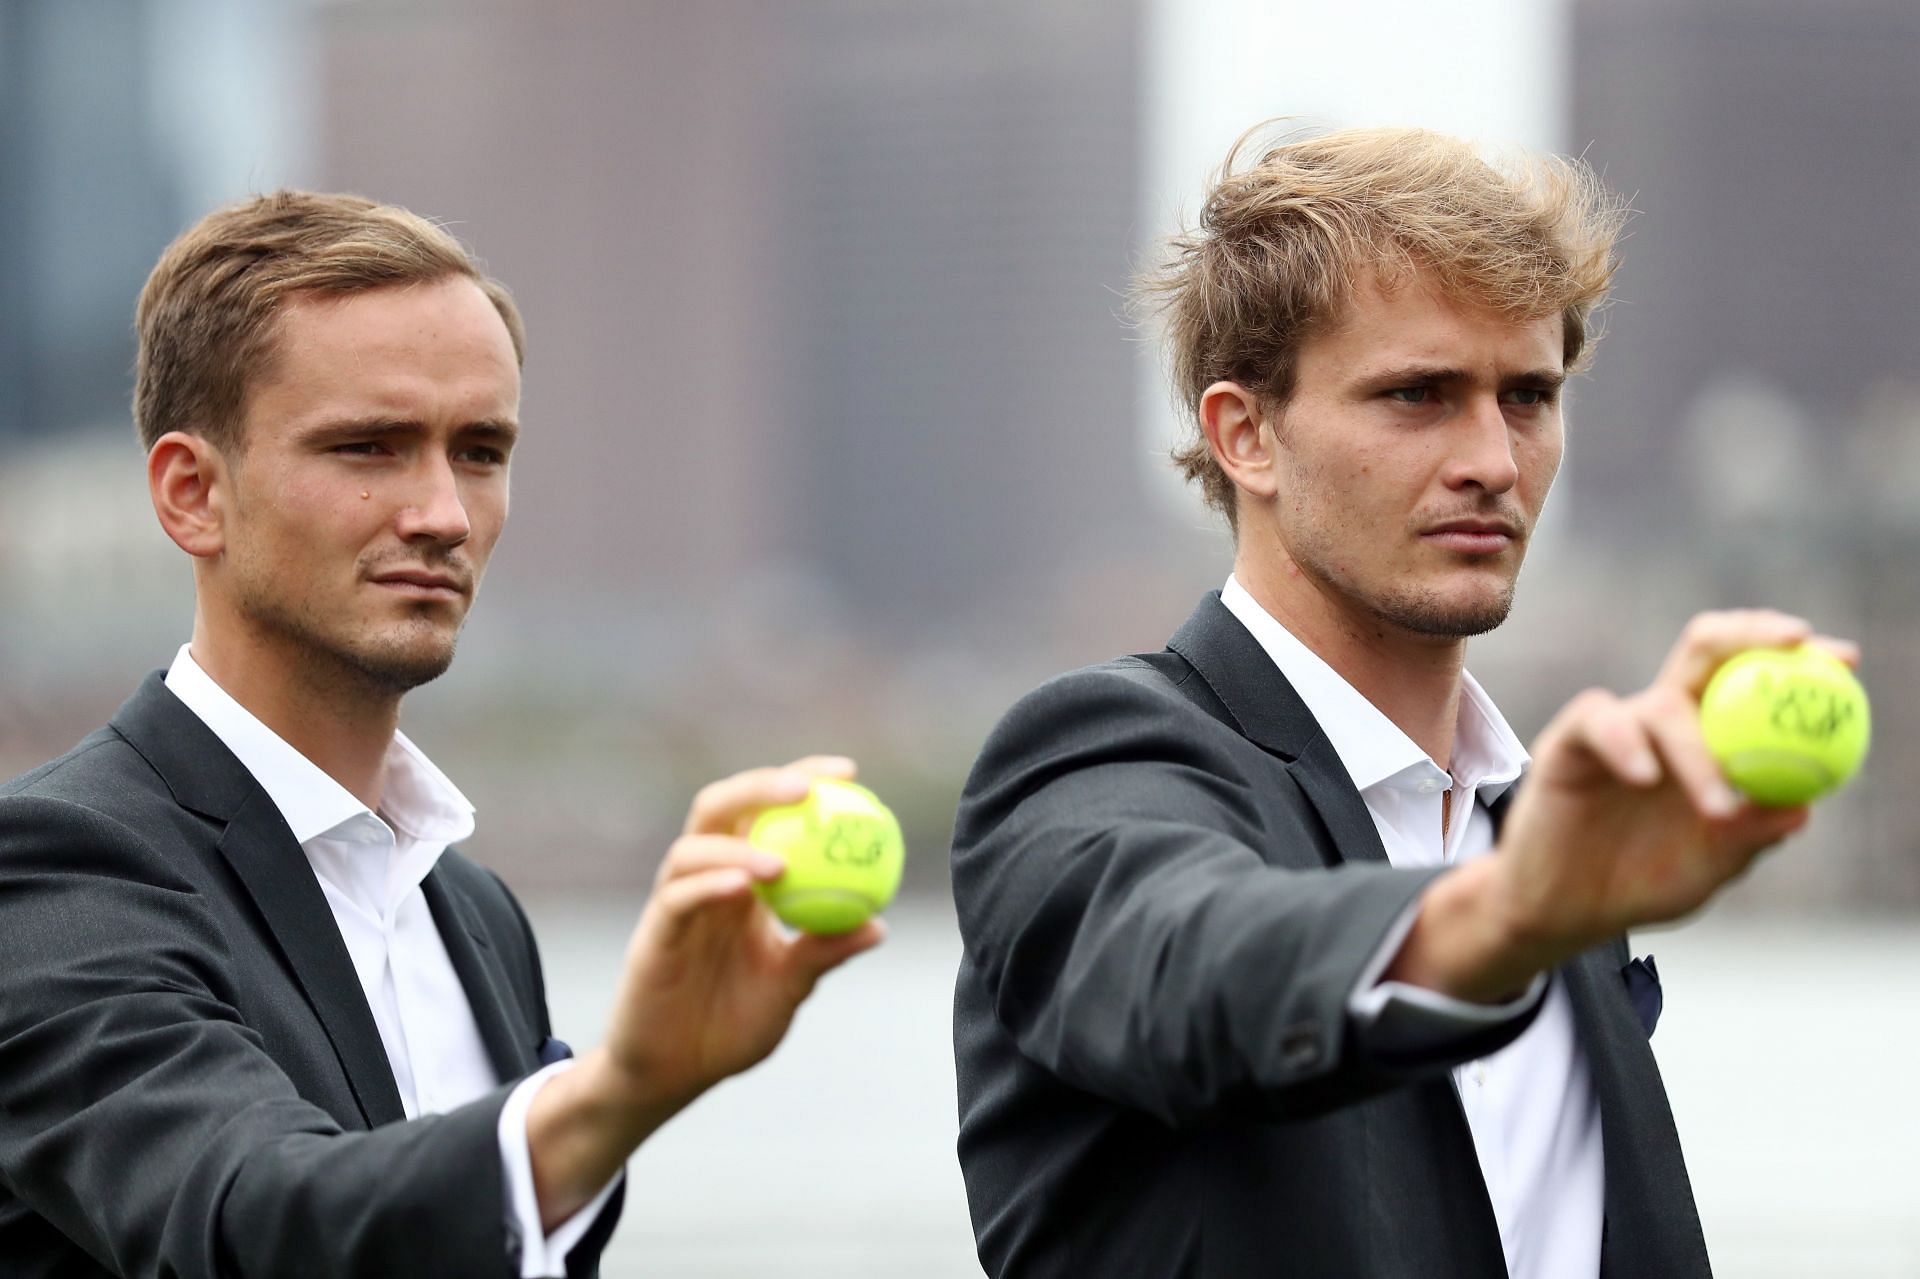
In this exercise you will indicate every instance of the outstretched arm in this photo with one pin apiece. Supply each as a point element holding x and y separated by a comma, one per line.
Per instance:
<point>144,1119</point>
<point>710,986</point>
<point>1625,821</point>
<point>1153,913</point>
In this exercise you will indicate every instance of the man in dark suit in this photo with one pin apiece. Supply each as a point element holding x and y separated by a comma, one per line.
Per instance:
<point>1270,965</point>
<point>256,1017</point>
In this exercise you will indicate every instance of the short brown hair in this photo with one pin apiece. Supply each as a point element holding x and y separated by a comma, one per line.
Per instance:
<point>206,316</point>
<point>1282,241</point>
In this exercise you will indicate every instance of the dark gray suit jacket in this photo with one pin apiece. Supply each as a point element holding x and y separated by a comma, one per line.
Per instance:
<point>191,1083</point>
<point>1168,887</point>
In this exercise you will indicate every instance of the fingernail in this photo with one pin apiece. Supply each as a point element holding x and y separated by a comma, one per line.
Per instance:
<point>766,865</point>
<point>794,784</point>
<point>1644,767</point>
<point>1723,801</point>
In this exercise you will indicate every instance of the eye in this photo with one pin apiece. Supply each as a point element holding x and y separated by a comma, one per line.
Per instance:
<point>483,455</point>
<point>1411,394</point>
<point>1529,396</point>
<point>361,448</point>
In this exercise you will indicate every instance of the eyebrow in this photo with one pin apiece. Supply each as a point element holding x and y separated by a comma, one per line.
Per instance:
<point>1422,374</point>
<point>502,431</point>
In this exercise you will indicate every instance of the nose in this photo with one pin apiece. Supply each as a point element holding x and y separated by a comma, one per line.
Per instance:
<point>1481,449</point>
<point>435,511</point>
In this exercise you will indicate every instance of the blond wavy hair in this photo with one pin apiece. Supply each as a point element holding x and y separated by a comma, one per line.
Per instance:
<point>206,317</point>
<point>1285,235</point>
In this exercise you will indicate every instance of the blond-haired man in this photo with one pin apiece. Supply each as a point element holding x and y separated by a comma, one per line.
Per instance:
<point>1271,966</point>
<point>257,1018</point>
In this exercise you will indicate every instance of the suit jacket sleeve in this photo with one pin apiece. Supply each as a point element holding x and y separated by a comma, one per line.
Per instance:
<point>143,1119</point>
<point>1156,915</point>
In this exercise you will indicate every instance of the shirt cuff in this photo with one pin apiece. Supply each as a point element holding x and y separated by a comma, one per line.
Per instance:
<point>1398,1019</point>
<point>542,1255</point>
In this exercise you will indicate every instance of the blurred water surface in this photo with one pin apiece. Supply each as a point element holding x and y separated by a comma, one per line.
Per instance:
<point>1787,1048</point>
<point>833,1157</point>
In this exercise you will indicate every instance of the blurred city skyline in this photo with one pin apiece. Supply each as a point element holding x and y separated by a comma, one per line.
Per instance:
<point>839,435</point>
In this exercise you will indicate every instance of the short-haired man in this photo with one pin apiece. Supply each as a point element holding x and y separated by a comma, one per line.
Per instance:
<point>256,1017</point>
<point>1270,966</point>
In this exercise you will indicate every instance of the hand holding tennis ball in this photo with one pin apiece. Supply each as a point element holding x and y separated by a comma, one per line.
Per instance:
<point>1788,725</point>
<point>844,856</point>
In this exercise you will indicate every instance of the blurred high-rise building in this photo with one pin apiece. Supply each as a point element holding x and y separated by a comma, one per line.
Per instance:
<point>1770,273</point>
<point>960,184</point>
<point>1755,425</point>
<point>828,290</point>
<point>120,122</point>
<point>86,201</point>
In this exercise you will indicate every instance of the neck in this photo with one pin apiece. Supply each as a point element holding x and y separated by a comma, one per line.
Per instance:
<point>1414,680</point>
<point>335,719</point>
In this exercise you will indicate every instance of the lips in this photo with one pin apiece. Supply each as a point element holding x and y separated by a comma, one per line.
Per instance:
<point>423,584</point>
<point>1474,537</point>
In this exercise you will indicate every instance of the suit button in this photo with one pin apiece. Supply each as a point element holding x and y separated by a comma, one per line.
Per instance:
<point>1300,1046</point>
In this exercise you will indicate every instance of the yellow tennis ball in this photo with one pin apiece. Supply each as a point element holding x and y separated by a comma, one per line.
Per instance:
<point>1788,725</point>
<point>843,852</point>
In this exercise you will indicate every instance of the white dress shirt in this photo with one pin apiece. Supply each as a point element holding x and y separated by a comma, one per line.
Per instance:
<point>370,867</point>
<point>1531,1107</point>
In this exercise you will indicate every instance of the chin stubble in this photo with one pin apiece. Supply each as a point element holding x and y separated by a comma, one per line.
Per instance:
<point>1427,615</point>
<point>387,668</point>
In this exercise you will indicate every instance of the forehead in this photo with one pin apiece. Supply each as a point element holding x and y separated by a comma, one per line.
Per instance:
<point>427,348</point>
<point>422,322</point>
<point>1414,322</point>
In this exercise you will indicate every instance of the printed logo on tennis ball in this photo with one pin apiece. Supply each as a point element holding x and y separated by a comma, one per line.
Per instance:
<point>1787,725</point>
<point>844,855</point>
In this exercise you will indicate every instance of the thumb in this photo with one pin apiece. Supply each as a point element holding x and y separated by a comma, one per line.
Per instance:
<point>813,955</point>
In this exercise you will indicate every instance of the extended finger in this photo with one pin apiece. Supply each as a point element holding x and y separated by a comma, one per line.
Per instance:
<point>680,903</point>
<point>838,767</point>
<point>693,854</point>
<point>1606,728</point>
<point>1711,638</point>
<point>1673,723</point>
<point>1844,649</point>
<point>720,806</point>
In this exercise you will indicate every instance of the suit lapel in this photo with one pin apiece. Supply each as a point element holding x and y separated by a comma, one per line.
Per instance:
<point>1269,713</point>
<point>1329,786</point>
<point>508,1038</point>
<point>1652,1225</point>
<point>205,777</point>
<point>261,850</point>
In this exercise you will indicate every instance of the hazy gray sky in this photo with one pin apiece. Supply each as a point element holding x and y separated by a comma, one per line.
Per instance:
<point>1487,69</point>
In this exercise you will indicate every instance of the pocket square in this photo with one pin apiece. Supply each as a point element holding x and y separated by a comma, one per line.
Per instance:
<point>1643,992</point>
<point>553,1050</point>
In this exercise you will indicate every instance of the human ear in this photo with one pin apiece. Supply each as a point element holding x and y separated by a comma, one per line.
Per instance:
<point>1235,424</point>
<point>187,480</point>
